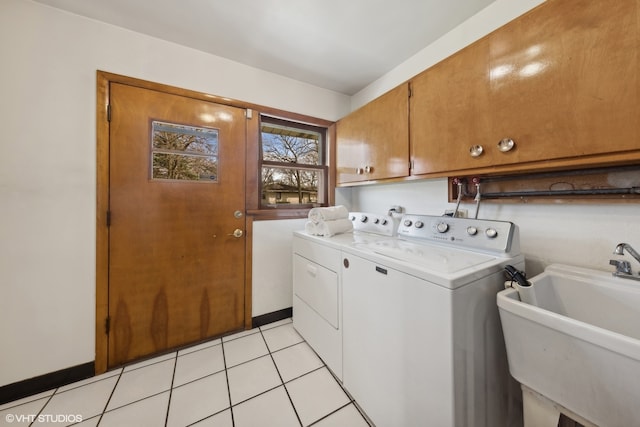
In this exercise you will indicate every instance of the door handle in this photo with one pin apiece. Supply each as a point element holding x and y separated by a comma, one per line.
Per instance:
<point>236,233</point>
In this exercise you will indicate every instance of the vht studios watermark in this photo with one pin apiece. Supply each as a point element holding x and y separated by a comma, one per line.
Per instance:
<point>43,418</point>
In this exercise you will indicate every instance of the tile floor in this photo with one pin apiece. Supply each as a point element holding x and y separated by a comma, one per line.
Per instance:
<point>268,376</point>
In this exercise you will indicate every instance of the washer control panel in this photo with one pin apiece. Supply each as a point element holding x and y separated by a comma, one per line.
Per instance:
<point>478,234</point>
<point>383,225</point>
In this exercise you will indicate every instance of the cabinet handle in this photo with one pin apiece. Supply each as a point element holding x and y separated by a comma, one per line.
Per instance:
<point>359,171</point>
<point>368,169</point>
<point>312,270</point>
<point>476,150</point>
<point>506,144</point>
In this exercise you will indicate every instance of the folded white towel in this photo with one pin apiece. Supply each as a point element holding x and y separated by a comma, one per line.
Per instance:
<point>328,214</point>
<point>328,228</point>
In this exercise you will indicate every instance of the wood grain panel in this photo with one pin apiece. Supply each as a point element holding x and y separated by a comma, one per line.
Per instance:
<point>449,111</point>
<point>562,81</point>
<point>173,263</point>
<point>570,83</point>
<point>375,136</point>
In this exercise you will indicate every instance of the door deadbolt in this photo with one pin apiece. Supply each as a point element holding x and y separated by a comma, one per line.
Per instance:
<point>237,214</point>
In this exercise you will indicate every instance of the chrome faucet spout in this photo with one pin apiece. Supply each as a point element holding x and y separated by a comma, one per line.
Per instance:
<point>625,246</point>
<point>623,268</point>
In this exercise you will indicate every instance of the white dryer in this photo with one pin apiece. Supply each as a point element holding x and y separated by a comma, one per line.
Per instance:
<point>317,283</point>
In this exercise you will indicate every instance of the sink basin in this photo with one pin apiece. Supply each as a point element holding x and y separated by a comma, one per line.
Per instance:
<point>578,348</point>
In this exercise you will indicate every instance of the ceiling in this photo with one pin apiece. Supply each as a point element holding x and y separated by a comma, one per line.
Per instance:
<point>341,45</point>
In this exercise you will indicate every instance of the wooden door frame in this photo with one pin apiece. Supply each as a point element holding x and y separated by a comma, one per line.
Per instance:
<point>104,79</point>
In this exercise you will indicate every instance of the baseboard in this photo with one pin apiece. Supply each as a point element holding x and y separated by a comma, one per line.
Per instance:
<point>274,316</point>
<point>35,385</point>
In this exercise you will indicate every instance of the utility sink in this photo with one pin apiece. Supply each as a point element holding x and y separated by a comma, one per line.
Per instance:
<point>577,351</point>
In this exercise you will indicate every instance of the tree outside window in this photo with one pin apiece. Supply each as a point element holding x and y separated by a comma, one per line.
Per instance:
<point>181,152</point>
<point>292,164</point>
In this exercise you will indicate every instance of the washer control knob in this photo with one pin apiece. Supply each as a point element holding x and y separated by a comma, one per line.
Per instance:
<point>364,218</point>
<point>491,233</point>
<point>442,227</point>
<point>384,221</point>
<point>407,223</point>
<point>376,220</point>
<point>472,231</point>
<point>419,224</point>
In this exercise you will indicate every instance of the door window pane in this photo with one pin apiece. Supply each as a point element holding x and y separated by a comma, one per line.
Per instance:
<point>180,152</point>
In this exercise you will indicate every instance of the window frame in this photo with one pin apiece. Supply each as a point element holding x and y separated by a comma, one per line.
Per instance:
<point>324,179</point>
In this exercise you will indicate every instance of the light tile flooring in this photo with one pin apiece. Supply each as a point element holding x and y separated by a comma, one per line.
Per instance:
<point>263,377</point>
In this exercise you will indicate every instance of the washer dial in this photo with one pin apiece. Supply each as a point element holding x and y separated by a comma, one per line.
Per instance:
<point>442,227</point>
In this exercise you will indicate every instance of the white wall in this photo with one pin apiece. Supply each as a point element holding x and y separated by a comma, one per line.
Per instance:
<point>48,166</point>
<point>272,267</point>
<point>582,234</point>
<point>573,233</point>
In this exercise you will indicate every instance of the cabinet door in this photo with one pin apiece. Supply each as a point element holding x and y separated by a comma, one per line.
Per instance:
<point>373,142</point>
<point>564,81</point>
<point>449,104</point>
<point>317,286</point>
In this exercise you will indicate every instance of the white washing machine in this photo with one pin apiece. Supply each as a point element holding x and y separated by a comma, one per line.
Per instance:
<point>317,283</point>
<point>422,342</point>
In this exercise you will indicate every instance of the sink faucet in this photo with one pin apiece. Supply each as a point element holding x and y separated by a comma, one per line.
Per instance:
<point>623,268</point>
<point>622,246</point>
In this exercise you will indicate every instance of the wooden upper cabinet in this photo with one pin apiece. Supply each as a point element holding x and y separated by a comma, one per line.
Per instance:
<point>448,108</point>
<point>562,82</point>
<point>372,143</point>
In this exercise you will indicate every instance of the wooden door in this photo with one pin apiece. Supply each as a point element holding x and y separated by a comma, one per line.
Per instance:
<point>373,141</point>
<point>176,198</point>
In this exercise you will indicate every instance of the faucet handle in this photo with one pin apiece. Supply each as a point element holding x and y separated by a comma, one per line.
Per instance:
<point>621,266</point>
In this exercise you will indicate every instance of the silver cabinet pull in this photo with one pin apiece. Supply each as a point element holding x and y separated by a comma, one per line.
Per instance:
<point>476,150</point>
<point>506,144</point>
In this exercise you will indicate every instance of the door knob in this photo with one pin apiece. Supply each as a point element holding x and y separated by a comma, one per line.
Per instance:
<point>236,233</point>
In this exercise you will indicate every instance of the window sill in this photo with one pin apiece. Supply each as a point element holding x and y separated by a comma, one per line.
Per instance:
<point>270,214</point>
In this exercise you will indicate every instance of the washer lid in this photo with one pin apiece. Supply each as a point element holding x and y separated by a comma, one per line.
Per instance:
<point>451,268</point>
<point>437,259</point>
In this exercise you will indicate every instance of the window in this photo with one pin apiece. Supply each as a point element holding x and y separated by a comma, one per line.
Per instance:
<point>180,152</point>
<point>292,164</point>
